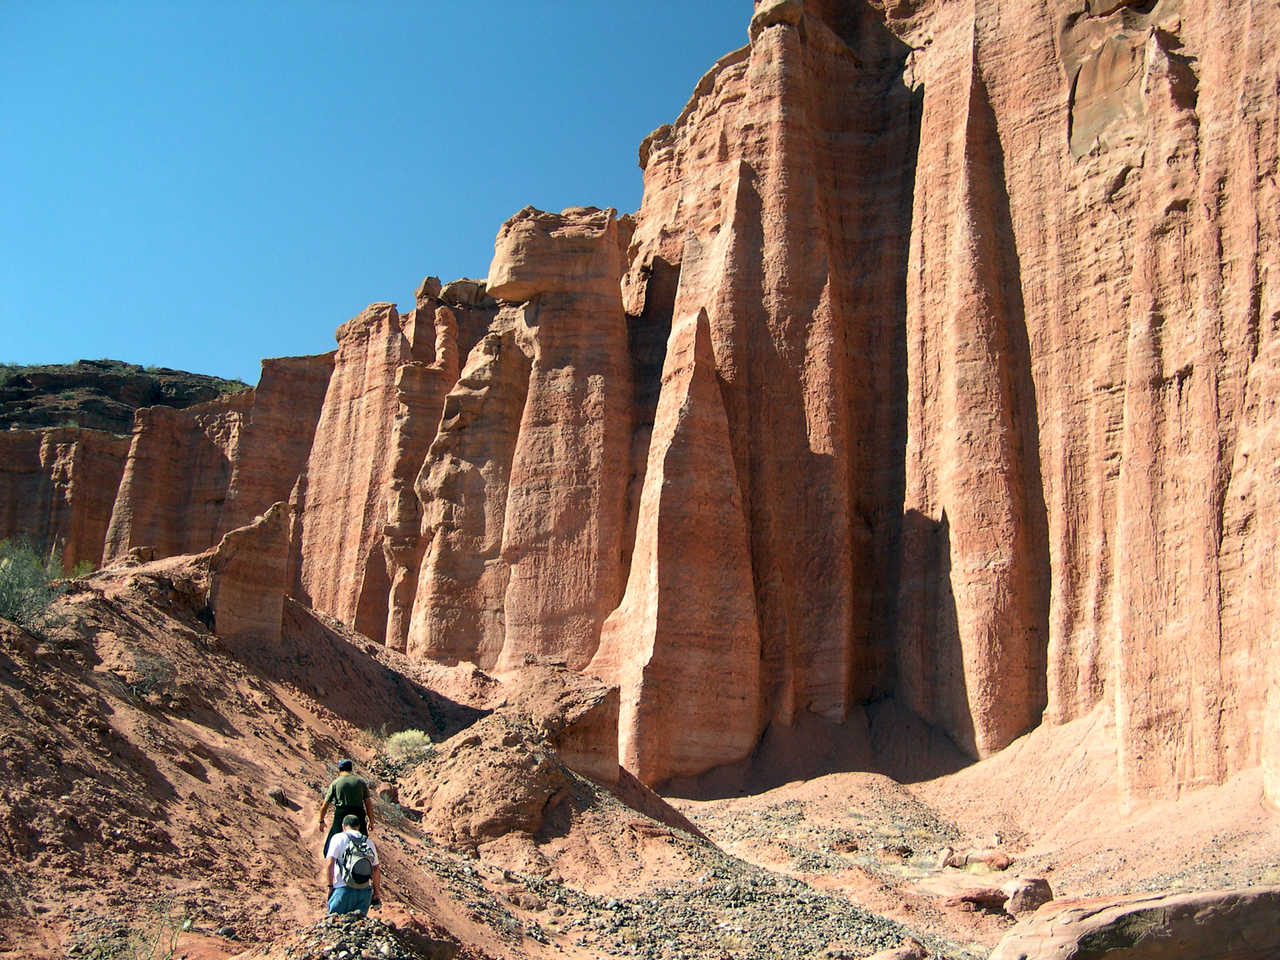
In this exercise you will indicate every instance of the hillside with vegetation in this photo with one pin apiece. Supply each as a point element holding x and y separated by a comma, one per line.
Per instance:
<point>98,394</point>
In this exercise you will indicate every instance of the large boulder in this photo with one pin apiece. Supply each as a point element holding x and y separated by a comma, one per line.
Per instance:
<point>1219,925</point>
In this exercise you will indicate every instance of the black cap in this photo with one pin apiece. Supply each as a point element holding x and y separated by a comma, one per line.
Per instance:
<point>345,765</point>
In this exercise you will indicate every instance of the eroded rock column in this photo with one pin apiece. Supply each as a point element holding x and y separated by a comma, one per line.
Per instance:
<point>420,391</point>
<point>973,617</point>
<point>457,610</point>
<point>566,511</point>
<point>683,646</point>
<point>340,499</point>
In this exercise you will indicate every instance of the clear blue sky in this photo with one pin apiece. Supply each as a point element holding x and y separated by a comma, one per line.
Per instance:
<point>203,184</point>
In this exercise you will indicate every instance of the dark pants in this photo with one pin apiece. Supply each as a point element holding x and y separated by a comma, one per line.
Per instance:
<point>339,812</point>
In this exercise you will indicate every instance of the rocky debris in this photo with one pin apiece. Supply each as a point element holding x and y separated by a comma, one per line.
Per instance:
<point>990,859</point>
<point>576,714</point>
<point>352,937</point>
<point>910,950</point>
<point>729,908</point>
<point>1225,925</point>
<point>495,778</point>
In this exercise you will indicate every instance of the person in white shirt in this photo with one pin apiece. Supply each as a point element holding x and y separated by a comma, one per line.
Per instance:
<point>354,893</point>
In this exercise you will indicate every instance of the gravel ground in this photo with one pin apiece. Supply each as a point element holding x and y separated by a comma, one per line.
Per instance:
<point>733,910</point>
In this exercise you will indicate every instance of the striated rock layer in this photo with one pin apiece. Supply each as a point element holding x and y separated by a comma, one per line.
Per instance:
<point>570,470</point>
<point>457,612</point>
<point>781,196</point>
<point>339,501</point>
<point>176,477</point>
<point>689,609</point>
<point>57,487</point>
<point>938,365</point>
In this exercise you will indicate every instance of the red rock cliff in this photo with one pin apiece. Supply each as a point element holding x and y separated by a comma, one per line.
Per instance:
<point>938,363</point>
<point>57,487</point>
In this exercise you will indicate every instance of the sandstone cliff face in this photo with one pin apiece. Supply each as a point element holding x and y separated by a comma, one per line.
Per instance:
<point>689,610</point>
<point>1132,143</point>
<point>339,501</point>
<point>974,601</point>
<point>420,391</point>
<point>194,474</point>
<point>175,481</point>
<point>277,438</point>
<point>57,487</point>
<point>457,610</point>
<point>758,196</point>
<point>566,507</point>
<point>938,363</point>
<point>1009,286</point>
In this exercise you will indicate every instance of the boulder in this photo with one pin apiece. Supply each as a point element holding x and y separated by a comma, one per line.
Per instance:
<point>427,291</point>
<point>248,581</point>
<point>1218,925</point>
<point>1026,895</point>
<point>465,292</point>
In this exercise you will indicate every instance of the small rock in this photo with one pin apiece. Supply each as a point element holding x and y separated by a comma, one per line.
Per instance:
<point>227,933</point>
<point>1026,894</point>
<point>987,898</point>
<point>909,950</point>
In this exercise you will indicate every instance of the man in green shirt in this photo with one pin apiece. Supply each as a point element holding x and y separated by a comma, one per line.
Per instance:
<point>349,796</point>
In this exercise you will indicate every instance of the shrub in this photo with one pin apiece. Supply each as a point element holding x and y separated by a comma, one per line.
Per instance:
<point>155,941</point>
<point>27,584</point>
<point>409,745</point>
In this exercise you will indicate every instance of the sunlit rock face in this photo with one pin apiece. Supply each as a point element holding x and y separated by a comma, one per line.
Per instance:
<point>938,364</point>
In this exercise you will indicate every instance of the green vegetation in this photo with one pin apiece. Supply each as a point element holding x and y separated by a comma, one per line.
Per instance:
<point>28,584</point>
<point>99,394</point>
<point>409,745</point>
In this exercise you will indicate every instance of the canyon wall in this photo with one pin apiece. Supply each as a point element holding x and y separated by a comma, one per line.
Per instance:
<point>57,488</point>
<point>939,364</point>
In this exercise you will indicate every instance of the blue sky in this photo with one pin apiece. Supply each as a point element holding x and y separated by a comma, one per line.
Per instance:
<point>203,184</point>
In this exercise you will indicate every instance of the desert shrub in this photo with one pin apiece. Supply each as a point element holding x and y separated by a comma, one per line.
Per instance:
<point>150,673</point>
<point>157,940</point>
<point>27,584</point>
<point>409,745</point>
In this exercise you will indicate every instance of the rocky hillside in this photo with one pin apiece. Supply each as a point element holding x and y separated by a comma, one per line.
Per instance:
<point>161,768</point>
<point>98,394</point>
<point>932,380</point>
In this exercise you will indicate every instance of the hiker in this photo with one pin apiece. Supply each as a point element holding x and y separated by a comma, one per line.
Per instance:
<point>349,796</point>
<point>351,873</point>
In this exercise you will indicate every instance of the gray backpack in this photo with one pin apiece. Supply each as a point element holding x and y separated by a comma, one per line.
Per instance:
<point>356,864</point>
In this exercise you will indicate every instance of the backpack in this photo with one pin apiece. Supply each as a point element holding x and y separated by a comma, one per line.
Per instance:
<point>356,865</point>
